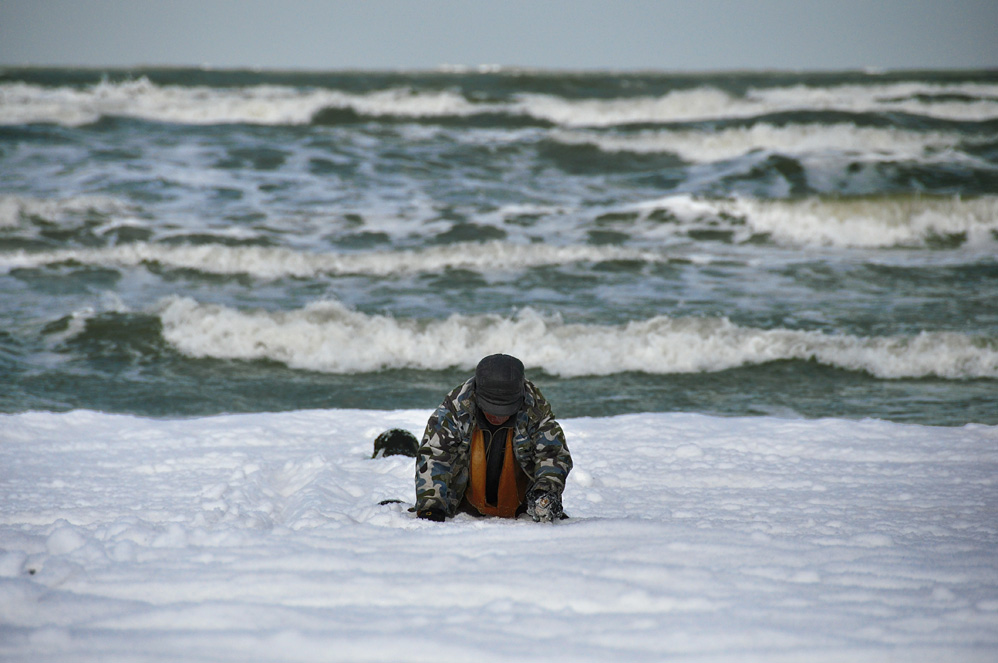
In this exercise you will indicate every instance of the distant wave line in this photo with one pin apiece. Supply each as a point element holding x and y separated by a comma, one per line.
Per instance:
<point>22,103</point>
<point>702,146</point>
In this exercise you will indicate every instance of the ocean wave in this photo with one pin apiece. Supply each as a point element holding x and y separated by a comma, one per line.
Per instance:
<point>15,210</point>
<point>709,103</point>
<point>329,337</point>
<point>657,229</point>
<point>860,222</point>
<point>701,146</point>
<point>23,103</point>
<point>953,101</point>
<point>278,262</point>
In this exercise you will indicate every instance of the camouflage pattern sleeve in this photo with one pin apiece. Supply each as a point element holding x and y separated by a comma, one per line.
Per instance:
<point>443,456</point>
<point>551,459</point>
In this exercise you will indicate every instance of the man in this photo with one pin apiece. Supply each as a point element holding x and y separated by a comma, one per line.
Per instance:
<point>493,446</point>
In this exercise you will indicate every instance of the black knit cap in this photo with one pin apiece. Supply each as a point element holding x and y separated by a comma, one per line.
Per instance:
<point>499,385</point>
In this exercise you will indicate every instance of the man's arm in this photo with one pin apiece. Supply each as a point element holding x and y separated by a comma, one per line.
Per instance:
<point>441,460</point>
<point>552,459</point>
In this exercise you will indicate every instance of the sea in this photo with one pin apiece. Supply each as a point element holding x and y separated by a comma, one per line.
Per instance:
<point>190,242</point>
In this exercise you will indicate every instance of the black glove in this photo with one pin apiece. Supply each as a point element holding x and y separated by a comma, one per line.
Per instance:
<point>433,513</point>
<point>544,505</point>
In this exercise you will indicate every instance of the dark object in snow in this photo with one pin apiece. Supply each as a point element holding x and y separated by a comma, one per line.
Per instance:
<point>436,515</point>
<point>395,442</point>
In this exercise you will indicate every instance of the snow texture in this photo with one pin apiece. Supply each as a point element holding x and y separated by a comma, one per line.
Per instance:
<point>260,538</point>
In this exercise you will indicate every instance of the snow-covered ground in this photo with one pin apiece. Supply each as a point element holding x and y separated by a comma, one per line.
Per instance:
<point>260,538</point>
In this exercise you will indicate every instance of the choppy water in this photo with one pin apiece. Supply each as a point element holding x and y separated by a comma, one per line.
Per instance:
<point>180,242</point>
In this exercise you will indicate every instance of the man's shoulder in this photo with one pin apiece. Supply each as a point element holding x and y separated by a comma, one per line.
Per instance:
<point>536,405</point>
<point>460,400</point>
<point>532,394</point>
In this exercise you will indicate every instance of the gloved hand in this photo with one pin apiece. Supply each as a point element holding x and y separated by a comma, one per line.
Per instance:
<point>435,514</point>
<point>544,505</point>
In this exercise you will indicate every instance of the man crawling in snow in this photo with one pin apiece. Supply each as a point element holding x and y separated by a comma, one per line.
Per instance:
<point>493,447</point>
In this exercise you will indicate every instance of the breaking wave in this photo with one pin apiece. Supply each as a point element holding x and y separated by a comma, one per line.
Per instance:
<point>270,104</point>
<point>273,262</point>
<point>329,337</point>
<point>863,222</point>
<point>859,222</point>
<point>702,146</point>
<point>978,102</point>
<point>14,210</point>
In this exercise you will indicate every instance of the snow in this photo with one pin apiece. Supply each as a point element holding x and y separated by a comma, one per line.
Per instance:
<point>260,538</point>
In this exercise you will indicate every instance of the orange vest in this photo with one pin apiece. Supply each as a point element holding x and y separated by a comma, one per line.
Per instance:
<point>512,482</point>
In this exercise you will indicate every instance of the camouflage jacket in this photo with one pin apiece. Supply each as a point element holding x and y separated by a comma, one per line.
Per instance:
<point>443,459</point>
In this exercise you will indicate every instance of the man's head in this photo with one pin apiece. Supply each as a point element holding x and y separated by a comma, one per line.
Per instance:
<point>499,386</point>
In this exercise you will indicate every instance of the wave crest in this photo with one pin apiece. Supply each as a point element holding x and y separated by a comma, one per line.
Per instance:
<point>14,209</point>
<point>329,337</point>
<point>277,262</point>
<point>857,222</point>
<point>24,103</point>
<point>863,222</point>
<point>700,146</point>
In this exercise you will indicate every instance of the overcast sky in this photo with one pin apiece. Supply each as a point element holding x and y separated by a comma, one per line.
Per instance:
<point>673,35</point>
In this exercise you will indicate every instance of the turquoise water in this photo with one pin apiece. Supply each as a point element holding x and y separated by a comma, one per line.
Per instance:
<point>187,242</point>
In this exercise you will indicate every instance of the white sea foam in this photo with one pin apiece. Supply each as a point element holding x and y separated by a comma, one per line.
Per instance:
<point>263,104</point>
<point>677,106</point>
<point>708,146</point>
<point>277,104</point>
<point>927,99</point>
<point>865,222</point>
<point>868,222</point>
<point>22,103</point>
<point>14,209</point>
<point>273,262</point>
<point>708,103</point>
<point>259,537</point>
<point>327,336</point>
<point>881,222</point>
